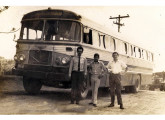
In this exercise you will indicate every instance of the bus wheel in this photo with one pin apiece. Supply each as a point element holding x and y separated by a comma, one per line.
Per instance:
<point>135,88</point>
<point>85,89</point>
<point>161,87</point>
<point>152,88</point>
<point>127,89</point>
<point>31,85</point>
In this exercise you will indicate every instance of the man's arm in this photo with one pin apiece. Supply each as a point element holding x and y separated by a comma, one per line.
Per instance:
<point>109,67</point>
<point>124,66</point>
<point>103,68</point>
<point>71,67</point>
<point>126,69</point>
<point>85,66</point>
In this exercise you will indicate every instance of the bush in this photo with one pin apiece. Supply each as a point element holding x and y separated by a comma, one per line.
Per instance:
<point>6,66</point>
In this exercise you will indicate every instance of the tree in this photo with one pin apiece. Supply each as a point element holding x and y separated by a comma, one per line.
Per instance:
<point>3,8</point>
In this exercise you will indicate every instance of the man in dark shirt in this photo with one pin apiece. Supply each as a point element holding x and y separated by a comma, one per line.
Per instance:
<point>77,70</point>
<point>97,70</point>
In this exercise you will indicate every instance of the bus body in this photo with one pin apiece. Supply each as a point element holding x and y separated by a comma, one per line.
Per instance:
<point>49,39</point>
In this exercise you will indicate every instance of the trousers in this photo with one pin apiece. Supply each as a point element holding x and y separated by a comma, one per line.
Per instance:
<point>115,84</point>
<point>76,85</point>
<point>95,83</point>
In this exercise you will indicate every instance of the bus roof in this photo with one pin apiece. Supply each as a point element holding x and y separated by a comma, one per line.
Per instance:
<point>52,13</point>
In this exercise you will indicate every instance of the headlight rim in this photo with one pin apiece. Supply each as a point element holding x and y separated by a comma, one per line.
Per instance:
<point>65,60</point>
<point>23,56</point>
<point>16,57</point>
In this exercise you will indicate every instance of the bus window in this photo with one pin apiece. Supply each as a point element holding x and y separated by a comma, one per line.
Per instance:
<point>31,30</point>
<point>90,37</point>
<point>111,44</point>
<point>139,53</point>
<point>104,41</point>
<point>62,30</point>
<point>95,38</point>
<point>24,35</point>
<point>114,42</point>
<point>87,37</point>
<point>125,46</point>
<point>134,50</point>
<point>152,57</point>
<point>99,39</point>
<point>131,50</point>
<point>149,56</point>
<point>146,55</point>
<point>107,42</point>
<point>142,55</point>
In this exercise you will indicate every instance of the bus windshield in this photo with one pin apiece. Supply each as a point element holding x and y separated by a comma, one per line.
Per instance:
<point>51,30</point>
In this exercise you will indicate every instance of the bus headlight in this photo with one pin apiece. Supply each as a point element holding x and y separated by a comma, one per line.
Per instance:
<point>65,60</point>
<point>15,57</point>
<point>22,58</point>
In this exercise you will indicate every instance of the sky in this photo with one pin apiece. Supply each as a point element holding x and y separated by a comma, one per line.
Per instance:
<point>145,27</point>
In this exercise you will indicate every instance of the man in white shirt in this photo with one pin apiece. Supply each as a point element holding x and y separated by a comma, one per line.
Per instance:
<point>115,68</point>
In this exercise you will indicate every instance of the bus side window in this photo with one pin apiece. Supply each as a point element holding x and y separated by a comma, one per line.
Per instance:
<point>111,44</point>
<point>146,55</point>
<point>149,56</point>
<point>114,42</point>
<point>125,48</point>
<point>95,38</point>
<point>99,39</point>
<point>142,55</point>
<point>152,57</point>
<point>131,50</point>
<point>107,42</point>
<point>104,41</point>
<point>134,51</point>
<point>139,50</point>
<point>90,37</point>
<point>87,37</point>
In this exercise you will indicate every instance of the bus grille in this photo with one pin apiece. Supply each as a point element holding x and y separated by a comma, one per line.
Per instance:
<point>40,57</point>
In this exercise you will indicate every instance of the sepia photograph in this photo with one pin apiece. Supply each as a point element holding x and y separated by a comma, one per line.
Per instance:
<point>82,60</point>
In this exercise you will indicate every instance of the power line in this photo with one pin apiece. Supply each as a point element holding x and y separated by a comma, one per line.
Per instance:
<point>12,31</point>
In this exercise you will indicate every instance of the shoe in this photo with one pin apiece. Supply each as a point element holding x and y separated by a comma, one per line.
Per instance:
<point>121,106</point>
<point>94,105</point>
<point>90,103</point>
<point>77,103</point>
<point>111,105</point>
<point>72,102</point>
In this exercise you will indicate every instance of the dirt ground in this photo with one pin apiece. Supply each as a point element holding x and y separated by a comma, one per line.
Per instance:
<point>14,100</point>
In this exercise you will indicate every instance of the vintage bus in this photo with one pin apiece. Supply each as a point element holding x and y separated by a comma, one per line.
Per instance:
<point>49,39</point>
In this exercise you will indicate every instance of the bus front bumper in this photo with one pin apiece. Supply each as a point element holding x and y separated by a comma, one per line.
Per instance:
<point>41,75</point>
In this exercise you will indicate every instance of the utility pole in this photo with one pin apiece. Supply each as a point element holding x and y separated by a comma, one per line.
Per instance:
<point>118,20</point>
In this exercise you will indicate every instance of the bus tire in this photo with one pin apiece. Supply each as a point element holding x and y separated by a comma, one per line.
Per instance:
<point>161,88</point>
<point>31,85</point>
<point>152,88</point>
<point>136,87</point>
<point>127,89</point>
<point>84,88</point>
